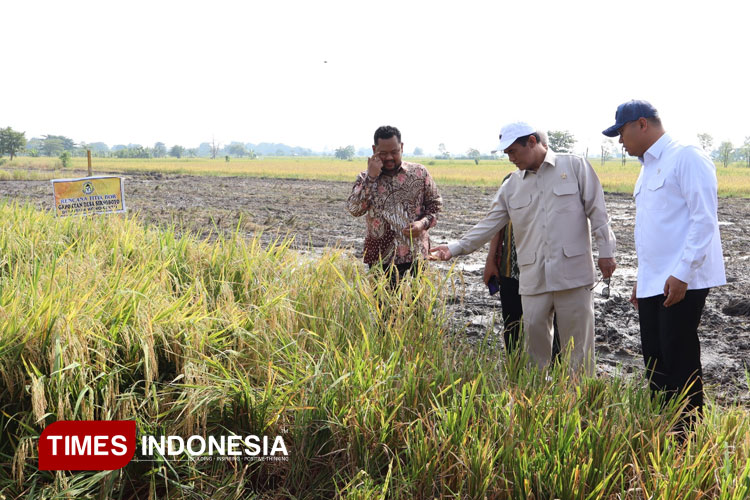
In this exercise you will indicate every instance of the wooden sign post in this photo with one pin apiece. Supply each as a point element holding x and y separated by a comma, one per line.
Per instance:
<point>88,155</point>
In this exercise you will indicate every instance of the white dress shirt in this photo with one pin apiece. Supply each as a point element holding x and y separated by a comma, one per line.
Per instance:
<point>676,222</point>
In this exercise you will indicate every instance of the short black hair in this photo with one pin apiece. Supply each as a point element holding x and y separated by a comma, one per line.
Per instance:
<point>522,141</point>
<point>654,120</point>
<point>386,132</point>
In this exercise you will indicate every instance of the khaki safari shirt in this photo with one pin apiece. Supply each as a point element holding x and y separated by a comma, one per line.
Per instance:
<point>550,210</point>
<point>392,202</point>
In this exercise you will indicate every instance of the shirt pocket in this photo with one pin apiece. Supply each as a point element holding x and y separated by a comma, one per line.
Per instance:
<point>565,197</point>
<point>519,208</point>
<point>526,258</point>
<point>655,195</point>
<point>577,260</point>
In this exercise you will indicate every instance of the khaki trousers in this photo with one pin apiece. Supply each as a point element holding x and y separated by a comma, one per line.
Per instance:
<point>575,320</point>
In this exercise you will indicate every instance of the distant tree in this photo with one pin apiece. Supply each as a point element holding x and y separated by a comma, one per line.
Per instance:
<point>443,151</point>
<point>364,152</point>
<point>160,150</point>
<point>237,149</point>
<point>81,149</point>
<point>131,151</point>
<point>251,154</point>
<point>67,143</point>
<point>138,151</point>
<point>344,153</point>
<point>99,149</point>
<point>52,146</point>
<point>35,143</point>
<point>11,142</point>
<point>744,151</point>
<point>214,148</point>
<point>706,141</point>
<point>561,141</point>
<point>192,152</point>
<point>418,152</point>
<point>724,153</point>
<point>623,155</point>
<point>474,154</point>
<point>65,158</point>
<point>608,149</point>
<point>177,151</point>
<point>204,149</point>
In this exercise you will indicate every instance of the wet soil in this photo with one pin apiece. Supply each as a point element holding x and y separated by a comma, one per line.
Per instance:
<point>315,213</point>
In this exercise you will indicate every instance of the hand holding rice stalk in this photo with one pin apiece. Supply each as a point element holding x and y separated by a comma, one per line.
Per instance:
<point>398,219</point>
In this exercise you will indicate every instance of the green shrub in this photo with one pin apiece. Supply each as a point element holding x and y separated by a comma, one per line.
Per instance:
<point>65,159</point>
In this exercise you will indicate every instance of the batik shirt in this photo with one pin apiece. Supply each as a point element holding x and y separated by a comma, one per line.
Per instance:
<point>391,202</point>
<point>507,258</point>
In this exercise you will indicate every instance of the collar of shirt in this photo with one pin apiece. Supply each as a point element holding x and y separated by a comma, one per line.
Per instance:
<point>656,149</point>
<point>395,172</point>
<point>550,158</point>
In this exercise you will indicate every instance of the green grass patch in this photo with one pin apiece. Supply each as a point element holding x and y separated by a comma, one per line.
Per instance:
<point>103,318</point>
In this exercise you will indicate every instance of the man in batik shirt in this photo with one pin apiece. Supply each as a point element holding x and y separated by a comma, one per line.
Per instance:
<point>401,203</point>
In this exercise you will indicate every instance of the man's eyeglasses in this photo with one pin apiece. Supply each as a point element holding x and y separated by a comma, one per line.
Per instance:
<point>605,290</point>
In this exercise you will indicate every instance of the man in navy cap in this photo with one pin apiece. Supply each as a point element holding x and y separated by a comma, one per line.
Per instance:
<point>678,247</point>
<point>554,201</point>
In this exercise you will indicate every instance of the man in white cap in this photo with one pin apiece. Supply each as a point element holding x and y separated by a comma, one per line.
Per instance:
<point>550,200</point>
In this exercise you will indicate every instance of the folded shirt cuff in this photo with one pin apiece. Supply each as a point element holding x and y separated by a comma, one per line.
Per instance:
<point>606,251</point>
<point>455,248</point>
<point>683,272</point>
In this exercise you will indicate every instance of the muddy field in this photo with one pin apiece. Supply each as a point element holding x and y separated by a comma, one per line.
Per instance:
<point>315,213</point>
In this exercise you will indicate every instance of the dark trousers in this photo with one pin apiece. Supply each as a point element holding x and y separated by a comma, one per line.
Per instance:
<point>671,349</point>
<point>510,301</point>
<point>395,271</point>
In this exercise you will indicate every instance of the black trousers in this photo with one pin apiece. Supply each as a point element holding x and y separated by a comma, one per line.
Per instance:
<point>510,301</point>
<point>671,349</point>
<point>396,271</point>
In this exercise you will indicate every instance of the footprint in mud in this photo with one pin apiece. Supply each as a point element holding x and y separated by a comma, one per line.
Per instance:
<point>737,307</point>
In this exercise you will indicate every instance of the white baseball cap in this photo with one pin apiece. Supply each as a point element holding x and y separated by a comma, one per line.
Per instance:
<point>513,131</point>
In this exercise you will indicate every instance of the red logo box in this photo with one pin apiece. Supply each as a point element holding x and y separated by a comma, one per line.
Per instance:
<point>87,445</point>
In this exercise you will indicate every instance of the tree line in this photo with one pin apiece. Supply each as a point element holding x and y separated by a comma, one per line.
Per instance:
<point>13,143</point>
<point>561,141</point>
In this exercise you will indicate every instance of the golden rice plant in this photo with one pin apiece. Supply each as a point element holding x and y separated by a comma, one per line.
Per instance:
<point>375,395</point>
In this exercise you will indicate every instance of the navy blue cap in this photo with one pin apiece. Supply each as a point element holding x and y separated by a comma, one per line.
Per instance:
<point>629,112</point>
